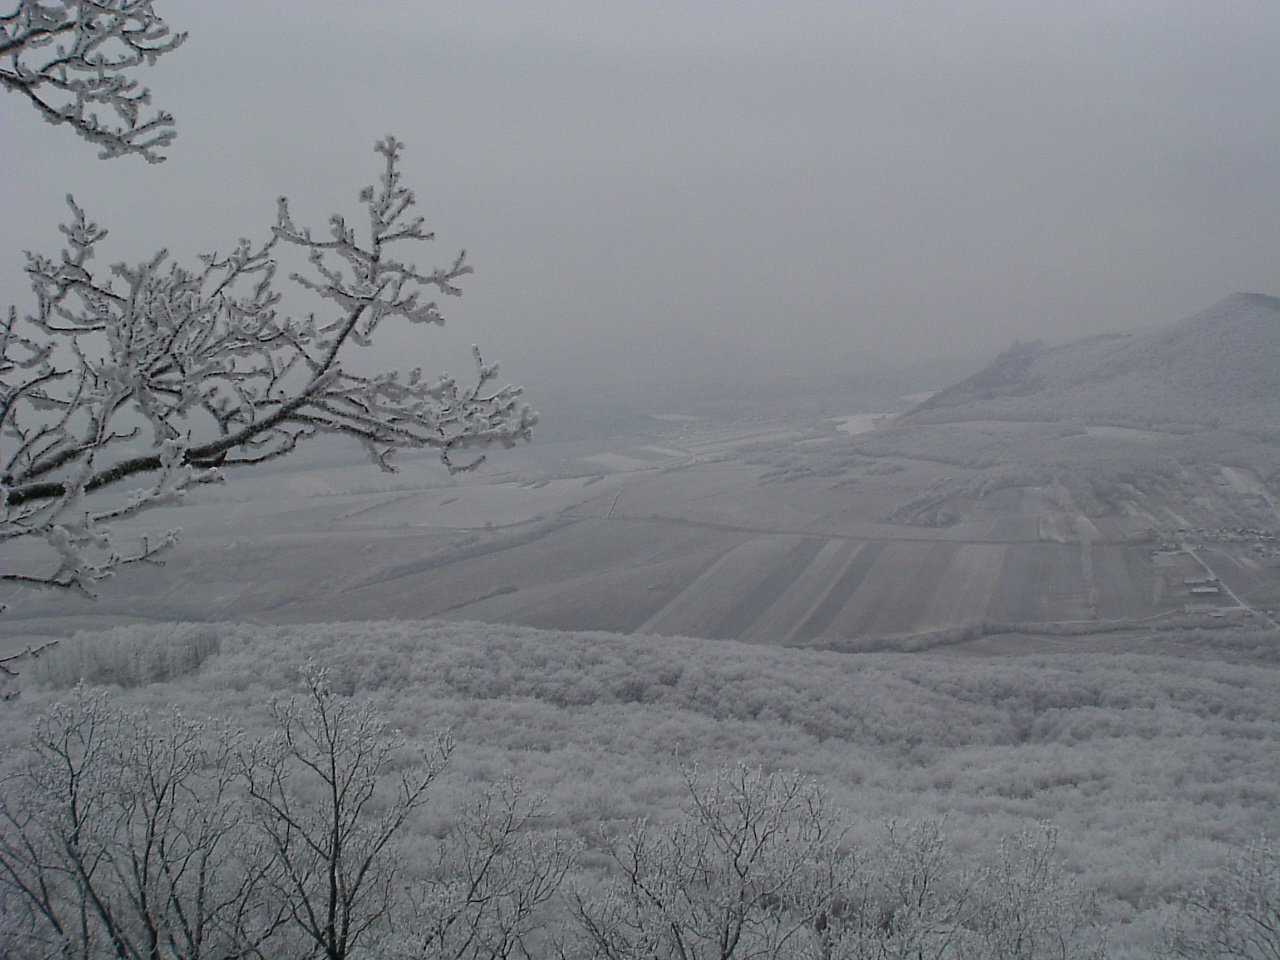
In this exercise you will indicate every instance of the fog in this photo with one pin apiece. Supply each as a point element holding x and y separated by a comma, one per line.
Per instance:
<point>669,200</point>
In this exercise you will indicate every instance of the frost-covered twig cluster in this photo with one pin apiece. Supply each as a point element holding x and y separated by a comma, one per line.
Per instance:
<point>70,59</point>
<point>130,386</point>
<point>145,835</point>
<point>758,868</point>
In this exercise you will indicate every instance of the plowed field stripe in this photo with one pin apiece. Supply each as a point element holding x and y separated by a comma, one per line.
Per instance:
<point>759,600</point>
<point>841,590</point>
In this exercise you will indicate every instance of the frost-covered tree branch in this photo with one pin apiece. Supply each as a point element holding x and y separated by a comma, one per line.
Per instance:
<point>1235,912</point>
<point>754,869</point>
<point>70,59</point>
<point>332,856</point>
<point>130,386</point>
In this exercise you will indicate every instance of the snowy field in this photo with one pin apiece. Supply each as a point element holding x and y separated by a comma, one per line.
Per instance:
<point>772,532</point>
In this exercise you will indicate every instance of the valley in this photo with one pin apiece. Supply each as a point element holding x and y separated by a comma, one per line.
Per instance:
<point>1119,484</point>
<point>784,533</point>
<point>986,610</point>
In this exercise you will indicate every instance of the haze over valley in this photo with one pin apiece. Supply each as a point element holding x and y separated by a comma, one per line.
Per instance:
<point>1119,482</point>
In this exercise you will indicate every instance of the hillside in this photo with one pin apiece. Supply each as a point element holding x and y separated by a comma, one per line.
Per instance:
<point>1152,767</point>
<point>1217,369</point>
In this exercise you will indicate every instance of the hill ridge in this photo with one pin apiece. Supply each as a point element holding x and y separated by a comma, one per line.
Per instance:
<point>1217,368</point>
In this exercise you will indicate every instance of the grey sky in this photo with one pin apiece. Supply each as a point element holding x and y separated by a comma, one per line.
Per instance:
<point>738,187</point>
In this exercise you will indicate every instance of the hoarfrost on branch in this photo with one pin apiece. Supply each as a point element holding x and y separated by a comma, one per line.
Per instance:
<point>70,59</point>
<point>165,376</point>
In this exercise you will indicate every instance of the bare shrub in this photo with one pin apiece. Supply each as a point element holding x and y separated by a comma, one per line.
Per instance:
<point>753,868</point>
<point>1235,913</point>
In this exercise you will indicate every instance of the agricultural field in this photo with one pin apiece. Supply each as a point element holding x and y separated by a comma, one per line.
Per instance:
<point>783,533</point>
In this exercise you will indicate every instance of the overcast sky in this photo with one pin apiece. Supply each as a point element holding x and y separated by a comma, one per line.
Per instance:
<point>746,188</point>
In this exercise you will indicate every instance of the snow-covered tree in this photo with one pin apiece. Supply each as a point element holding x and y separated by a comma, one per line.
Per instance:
<point>127,387</point>
<point>1235,912</point>
<point>910,902</point>
<point>135,836</point>
<point>123,835</point>
<point>329,795</point>
<point>485,890</point>
<point>1026,906</point>
<point>71,59</point>
<point>753,869</point>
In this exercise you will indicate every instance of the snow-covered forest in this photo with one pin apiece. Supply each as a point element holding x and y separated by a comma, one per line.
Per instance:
<point>1133,782</point>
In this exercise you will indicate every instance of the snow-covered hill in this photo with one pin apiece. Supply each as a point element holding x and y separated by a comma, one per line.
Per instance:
<point>1219,368</point>
<point>1151,767</point>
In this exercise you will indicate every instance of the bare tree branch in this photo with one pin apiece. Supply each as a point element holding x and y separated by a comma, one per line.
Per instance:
<point>165,375</point>
<point>70,59</point>
<point>332,857</point>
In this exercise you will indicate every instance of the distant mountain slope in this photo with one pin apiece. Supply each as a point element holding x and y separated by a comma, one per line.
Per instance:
<point>1219,368</point>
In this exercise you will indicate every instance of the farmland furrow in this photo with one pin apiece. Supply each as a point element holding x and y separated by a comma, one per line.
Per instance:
<point>842,589</point>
